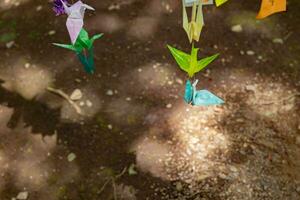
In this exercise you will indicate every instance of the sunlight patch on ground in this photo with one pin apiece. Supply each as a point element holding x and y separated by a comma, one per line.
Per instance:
<point>200,144</point>
<point>151,155</point>
<point>5,115</point>
<point>190,150</point>
<point>27,80</point>
<point>27,159</point>
<point>271,98</point>
<point>7,4</point>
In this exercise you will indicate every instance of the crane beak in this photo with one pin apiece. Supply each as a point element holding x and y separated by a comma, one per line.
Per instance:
<point>88,7</point>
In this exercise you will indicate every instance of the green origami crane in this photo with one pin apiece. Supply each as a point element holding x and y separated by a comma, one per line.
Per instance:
<point>84,49</point>
<point>189,63</point>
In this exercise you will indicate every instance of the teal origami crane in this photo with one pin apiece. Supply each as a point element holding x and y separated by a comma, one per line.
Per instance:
<point>200,97</point>
<point>189,63</point>
<point>83,47</point>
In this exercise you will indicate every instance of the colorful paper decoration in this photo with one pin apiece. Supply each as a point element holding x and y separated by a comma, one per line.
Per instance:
<point>194,27</point>
<point>83,47</point>
<point>200,97</point>
<point>269,7</point>
<point>189,63</point>
<point>220,2</point>
<point>75,18</point>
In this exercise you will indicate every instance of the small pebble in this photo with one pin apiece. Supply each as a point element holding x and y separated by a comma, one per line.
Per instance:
<point>237,28</point>
<point>250,53</point>
<point>179,186</point>
<point>22,195</point>
<point>114,7</point>
<point>89,103</point>
<point>109,126</point>
<point>76,95</point>
<point>52,32</point>
<point>71,157</point>
<point>27,65</point>
<point>109,92</point>
<point>39,8</point>
<point>169,105</point>
<point>278,41</point>
<point>10,44</point>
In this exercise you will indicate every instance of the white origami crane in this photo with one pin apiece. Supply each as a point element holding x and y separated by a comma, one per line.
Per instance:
<point>75,18</point>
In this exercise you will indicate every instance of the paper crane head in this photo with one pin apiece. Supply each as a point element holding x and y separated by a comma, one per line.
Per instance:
<point>58,7</point>
<point>200,97</point>
<point>75,19</point>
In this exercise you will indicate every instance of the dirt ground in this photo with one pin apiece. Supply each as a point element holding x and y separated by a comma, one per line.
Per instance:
<point>136,138</point>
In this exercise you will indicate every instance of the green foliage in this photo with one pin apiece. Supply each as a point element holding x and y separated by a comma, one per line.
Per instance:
<point>7,37</point>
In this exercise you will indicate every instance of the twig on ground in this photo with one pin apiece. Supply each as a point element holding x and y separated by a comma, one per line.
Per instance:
<point>66,97</point>
<point>104,186</point>
<point>121,174</point>
<point>114,187</point>
<point>113,182</point>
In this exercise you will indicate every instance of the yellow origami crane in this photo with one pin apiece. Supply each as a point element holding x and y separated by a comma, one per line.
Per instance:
<point>269,7</point>
<point>220,2</point>
<point>194,27</point>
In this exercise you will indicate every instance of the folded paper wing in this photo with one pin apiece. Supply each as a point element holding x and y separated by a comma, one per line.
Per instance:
<point>220,2</point>
<point>75,18</point>
<point>269,7</point>
<point>194,27</point>
<point>188,94</point>
<point>189,63</point>
<point>182,59</point>
<point>201,97</point>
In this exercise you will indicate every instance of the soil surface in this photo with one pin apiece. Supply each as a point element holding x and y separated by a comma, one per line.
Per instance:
<point>136,138</point>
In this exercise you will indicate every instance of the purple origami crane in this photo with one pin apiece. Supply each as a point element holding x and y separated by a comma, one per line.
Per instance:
<point>75,19</point>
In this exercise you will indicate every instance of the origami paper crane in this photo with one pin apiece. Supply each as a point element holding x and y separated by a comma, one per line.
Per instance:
<point>75,18</point>
<point>190,3</point>
<point>220,2</point>
<point>189,63</point>
<point>200,97</point>
<point>83,47</point>
<point>269,7</point>
<point>194,27</point>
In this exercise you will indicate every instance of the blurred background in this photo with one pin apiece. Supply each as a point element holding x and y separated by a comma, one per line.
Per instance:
<point>136,138</point>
